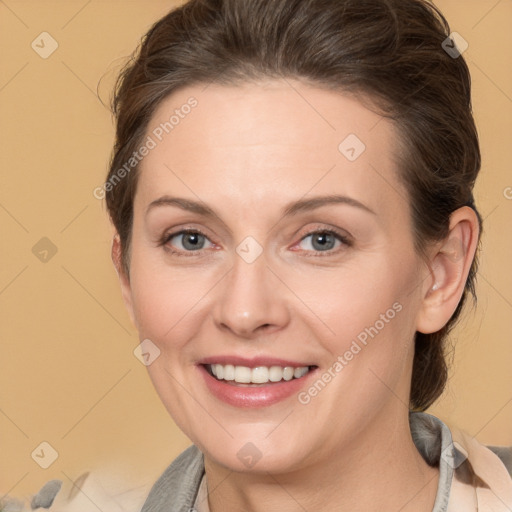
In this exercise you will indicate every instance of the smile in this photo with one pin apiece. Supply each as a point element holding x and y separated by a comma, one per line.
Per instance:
<point>260,382</point>
<point>257,375</point>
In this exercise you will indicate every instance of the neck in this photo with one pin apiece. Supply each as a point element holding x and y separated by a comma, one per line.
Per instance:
<point>392,475</point>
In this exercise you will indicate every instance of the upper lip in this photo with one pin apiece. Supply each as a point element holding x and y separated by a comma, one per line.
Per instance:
<point>252,362</point>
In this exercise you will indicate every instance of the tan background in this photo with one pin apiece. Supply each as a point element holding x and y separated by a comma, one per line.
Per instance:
<point>68,374</point>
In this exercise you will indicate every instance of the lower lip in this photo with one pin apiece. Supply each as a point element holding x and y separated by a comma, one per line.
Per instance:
<point>253,396</point>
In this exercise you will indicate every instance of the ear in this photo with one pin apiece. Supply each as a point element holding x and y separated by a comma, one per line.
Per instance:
<point>449,266</point>
<point>124,279</point>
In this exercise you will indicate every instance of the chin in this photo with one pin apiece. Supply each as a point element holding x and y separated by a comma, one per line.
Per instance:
<point>250,459</point>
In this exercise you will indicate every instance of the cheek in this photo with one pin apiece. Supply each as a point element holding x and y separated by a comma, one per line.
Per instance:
<point>360,296</point>
<point>368,317</point>
<point>164,299</point>
<point>166,306</point>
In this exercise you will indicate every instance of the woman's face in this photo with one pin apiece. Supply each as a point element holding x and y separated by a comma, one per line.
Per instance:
<point>300,254</point>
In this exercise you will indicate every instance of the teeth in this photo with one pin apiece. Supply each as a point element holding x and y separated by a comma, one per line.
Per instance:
<point>242,374</point>
<point>258,375</point>
<point>229,372</point>
<point>275,373</point>
<point>288,373</point>
<point>300,372</point>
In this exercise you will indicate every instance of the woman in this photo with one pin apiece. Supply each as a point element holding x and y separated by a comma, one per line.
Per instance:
<point>296,234</point>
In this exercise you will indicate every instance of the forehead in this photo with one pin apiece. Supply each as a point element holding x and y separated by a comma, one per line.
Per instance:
<point>275,140</point>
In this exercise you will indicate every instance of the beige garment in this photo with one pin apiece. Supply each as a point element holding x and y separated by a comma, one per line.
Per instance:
<point>201,504</point>
<point>481,483</point>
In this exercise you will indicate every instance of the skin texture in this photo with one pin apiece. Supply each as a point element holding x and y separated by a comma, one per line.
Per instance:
<point>247,151</point>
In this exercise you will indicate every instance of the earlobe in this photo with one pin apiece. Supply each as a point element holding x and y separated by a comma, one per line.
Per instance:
<point>449,267</point>
<point>124,281</point>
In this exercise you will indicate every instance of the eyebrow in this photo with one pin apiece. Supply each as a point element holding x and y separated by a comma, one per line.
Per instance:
<point>302,205</point>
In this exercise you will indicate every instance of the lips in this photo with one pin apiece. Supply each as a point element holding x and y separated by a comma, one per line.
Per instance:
<point>257,382</point>
<point>253,362</point>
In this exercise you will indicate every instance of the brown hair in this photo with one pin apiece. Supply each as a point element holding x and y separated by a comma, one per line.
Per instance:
<point>388,50</point>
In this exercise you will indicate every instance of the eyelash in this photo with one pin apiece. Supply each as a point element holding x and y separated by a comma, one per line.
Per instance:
<point>341,237</point>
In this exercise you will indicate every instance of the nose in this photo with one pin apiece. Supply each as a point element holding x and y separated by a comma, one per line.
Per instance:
<point>252,300</point>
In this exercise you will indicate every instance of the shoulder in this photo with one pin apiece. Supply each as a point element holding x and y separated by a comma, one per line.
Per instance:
<point>431,435</point>
<point>469,470</point>
<point>505,455</point>
<point>177,487</point>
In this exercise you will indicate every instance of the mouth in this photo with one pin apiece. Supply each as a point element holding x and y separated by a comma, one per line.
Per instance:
<point>256,376</point>
<point>257,382</point>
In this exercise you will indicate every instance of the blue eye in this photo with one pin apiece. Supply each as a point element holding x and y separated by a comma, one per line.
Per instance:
<point>325,241</point>
<point>192,241</point>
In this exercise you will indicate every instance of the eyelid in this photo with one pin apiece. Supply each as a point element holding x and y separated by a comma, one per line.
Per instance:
<point>341,235</point>
<point>181,231</point>
<point>345,239</point>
